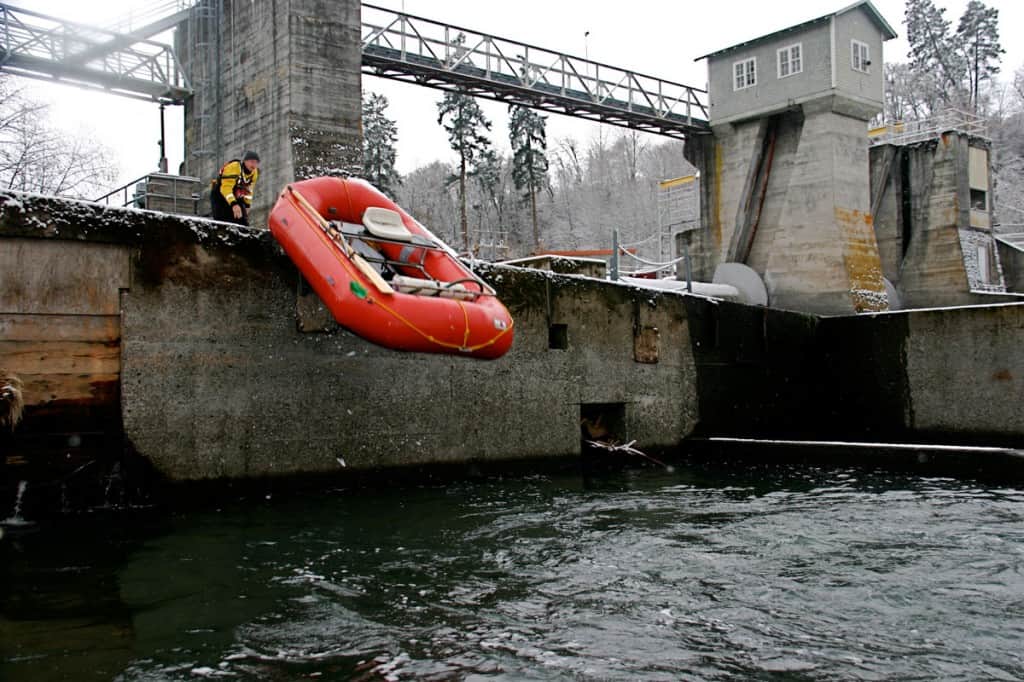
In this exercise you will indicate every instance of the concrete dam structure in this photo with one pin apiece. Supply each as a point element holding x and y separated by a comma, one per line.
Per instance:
<point>193,346</point>
<point>193,350</point>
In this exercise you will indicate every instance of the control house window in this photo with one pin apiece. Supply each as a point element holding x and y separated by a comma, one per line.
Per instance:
<point>791,60</point>
<point>860,56</point>
<point>744,74</point>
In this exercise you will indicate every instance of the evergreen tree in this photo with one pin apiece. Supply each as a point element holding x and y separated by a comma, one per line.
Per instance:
<point>528,134</point>
<point>487,172</point>
<point>978,38</point>
<point>379,136</point>
<point>933,54</point>
<point>463,120</point>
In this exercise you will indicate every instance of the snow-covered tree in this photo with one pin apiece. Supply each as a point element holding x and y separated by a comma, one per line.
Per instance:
<point>527,133</point>
<point>464,121</point>
<point>379,136</point>
<point>977,36</point>
<point>37,157</point>
<point>934,56</point>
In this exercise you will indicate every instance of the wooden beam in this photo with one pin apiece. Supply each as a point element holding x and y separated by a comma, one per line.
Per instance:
<point>34,327</point>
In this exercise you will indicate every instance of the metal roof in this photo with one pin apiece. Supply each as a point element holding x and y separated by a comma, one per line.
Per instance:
<point>887,30</point>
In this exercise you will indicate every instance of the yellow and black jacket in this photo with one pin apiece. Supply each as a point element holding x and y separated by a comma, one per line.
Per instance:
<point>235,183</point>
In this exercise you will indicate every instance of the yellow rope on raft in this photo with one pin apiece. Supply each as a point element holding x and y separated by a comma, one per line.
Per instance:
<point>444,344</point>
<point>346,264</point>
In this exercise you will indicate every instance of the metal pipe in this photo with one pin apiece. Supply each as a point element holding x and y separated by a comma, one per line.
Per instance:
<point>163,142</point>
<point>615,256</point>
<point>688,268</point>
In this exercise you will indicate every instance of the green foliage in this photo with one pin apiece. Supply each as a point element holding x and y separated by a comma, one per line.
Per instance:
<point>379,136</point>
<point>977,36</point>
<point>933,54</point>
<point>464,121</point>
<point>487,172</point>
<point>948,68</point>
<point>527,133</point>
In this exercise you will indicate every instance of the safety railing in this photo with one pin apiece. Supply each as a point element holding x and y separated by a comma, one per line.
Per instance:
<point>911,132</point>
<point>406,47</point>
<point>158,192</point>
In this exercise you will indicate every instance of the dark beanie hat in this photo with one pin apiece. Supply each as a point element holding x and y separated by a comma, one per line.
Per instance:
<point>251,155</point>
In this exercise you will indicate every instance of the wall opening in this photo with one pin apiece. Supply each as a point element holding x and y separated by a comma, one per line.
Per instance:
<point>558,337</point>
<point>984,265</point>
<point>906,203</point>
<point>605,422</point>
<point>979,200</point>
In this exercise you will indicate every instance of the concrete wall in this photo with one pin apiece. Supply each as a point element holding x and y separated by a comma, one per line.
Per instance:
<point>1011,261</point>
<point>948,376</point>
<point>224,370</point>
<point>866,88</point>
<point>216,368</point>
<point>287,82</point>
<point>806,217</point>
<point>217,379</point>
<point>922,222</point>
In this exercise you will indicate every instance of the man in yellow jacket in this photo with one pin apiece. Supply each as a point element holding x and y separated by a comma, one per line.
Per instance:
<point>231,191</point>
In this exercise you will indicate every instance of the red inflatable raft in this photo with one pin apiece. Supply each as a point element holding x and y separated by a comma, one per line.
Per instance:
<point>383,275</point>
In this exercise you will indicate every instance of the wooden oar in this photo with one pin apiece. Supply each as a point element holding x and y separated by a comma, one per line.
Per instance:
<point>368,270</point>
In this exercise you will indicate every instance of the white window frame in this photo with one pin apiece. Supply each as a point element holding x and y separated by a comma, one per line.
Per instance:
<point>748,75</point>
<point>860,56</point>
<point>787,52</point>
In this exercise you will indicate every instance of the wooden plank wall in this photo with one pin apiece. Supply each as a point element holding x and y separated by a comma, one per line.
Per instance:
<point>60,331</point>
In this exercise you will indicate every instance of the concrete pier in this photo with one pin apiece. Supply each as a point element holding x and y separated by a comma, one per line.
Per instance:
<point>280,78</point>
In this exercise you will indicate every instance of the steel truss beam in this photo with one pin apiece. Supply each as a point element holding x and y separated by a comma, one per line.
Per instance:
<point>44,47</point>
<point>409,48</point>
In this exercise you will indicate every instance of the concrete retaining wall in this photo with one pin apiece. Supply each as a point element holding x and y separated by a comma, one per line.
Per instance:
<point>948,375</point>
<point>922,221</point>
<point>228,368</point>
<point>217,380</point>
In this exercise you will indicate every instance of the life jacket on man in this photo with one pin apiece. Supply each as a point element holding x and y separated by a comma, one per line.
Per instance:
<point>233,187</point>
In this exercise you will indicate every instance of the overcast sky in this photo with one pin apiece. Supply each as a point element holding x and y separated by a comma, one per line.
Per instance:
<point>653,37</point>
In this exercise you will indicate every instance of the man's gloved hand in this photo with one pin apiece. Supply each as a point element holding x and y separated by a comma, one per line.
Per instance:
<point>236,211</point>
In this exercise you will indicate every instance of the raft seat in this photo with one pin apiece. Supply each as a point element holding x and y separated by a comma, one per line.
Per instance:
<point>429,287</point>
<point>386,224</point>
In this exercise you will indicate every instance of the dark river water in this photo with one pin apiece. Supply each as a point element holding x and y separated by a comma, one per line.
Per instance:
<point>776,572</point>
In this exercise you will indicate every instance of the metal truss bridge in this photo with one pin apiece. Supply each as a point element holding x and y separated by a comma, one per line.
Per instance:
<point>52,49</point>
<point>394,45</point>
<point>417,50</point>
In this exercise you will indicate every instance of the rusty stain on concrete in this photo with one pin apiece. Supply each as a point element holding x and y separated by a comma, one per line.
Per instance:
<point>860,256</point>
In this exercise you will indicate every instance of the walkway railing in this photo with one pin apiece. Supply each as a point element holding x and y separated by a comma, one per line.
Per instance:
<point>157,191</point>
<point>910,132</point>
<point>410,48</point>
